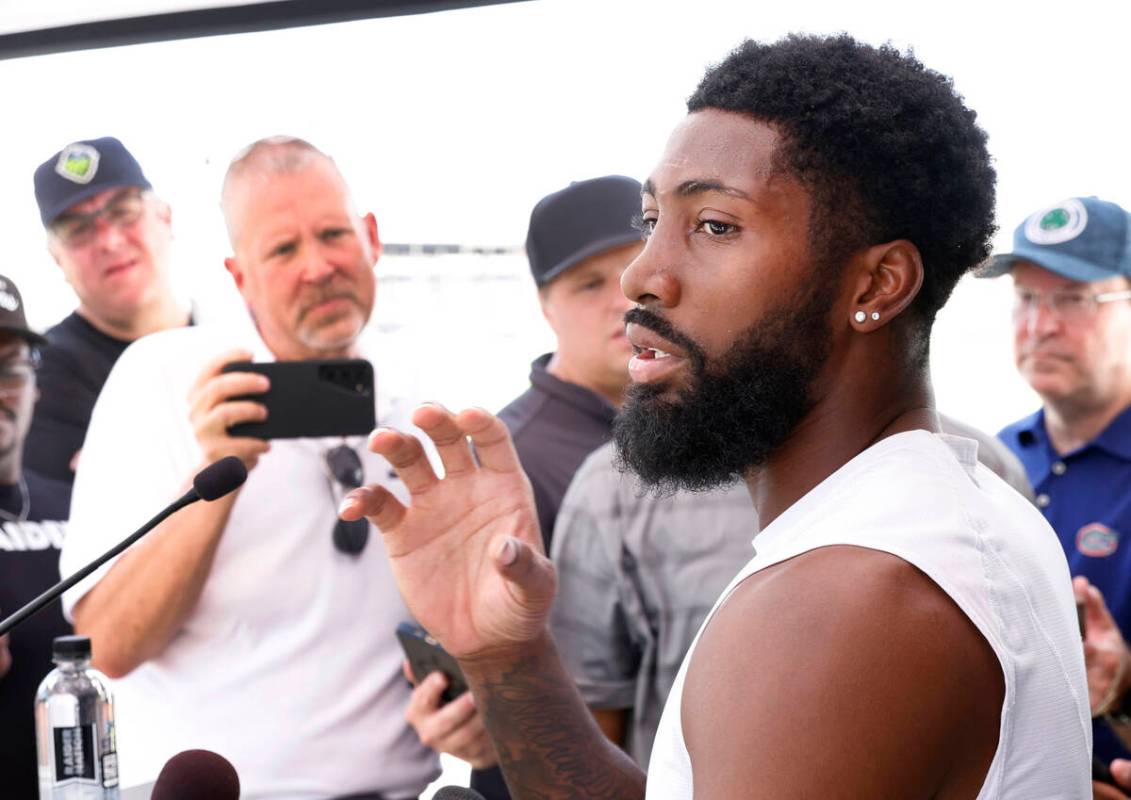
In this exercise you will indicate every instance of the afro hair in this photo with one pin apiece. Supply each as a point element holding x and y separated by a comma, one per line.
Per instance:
<point>885,146</point>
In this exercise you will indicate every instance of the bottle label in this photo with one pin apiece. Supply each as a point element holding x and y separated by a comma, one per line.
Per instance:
<point>74,752</point>
<point>110,770</point>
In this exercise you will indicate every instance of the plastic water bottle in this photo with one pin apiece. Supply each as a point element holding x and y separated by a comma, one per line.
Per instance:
<point>74,725</point>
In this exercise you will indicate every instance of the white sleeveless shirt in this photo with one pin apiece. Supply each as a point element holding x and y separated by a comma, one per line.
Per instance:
<point>924,498</point>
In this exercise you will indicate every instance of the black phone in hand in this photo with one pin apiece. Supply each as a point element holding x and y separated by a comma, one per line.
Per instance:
<point>311,399</point>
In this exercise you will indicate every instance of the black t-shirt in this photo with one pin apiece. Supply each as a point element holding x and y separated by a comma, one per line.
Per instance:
<point>29,564</point>
<point>555,426</point>
<point>76,361</point>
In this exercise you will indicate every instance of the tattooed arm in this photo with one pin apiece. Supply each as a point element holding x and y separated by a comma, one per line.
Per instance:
<point>467,557</point>
<point>548,743</point>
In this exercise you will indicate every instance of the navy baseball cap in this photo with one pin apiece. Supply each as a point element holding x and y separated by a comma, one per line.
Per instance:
<point>12,318</point>
<point>1083,239</point>
<point>580,221</point>
<point>81,170</point>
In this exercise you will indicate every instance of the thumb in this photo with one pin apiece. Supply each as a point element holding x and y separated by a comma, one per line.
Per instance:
<point>529,574</point>
<point>1121,771</point>
<point>1096,614</point>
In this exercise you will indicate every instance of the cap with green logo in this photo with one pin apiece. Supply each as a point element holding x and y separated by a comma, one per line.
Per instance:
<point>81,170</point>
<point>1083,239</point>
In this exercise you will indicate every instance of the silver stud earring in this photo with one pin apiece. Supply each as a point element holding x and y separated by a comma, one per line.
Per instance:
<point>860,316</point>
<point>875,315</point>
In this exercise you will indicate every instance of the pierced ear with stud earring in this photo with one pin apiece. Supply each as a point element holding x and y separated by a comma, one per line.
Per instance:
<point>860,316</point>
<point>875,315</point>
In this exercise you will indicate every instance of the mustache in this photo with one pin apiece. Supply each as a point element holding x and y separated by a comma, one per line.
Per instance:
<point>323,294</point>
<point>647,318</point>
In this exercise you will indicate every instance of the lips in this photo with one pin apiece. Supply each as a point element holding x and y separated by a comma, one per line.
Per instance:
<point>656,358</point>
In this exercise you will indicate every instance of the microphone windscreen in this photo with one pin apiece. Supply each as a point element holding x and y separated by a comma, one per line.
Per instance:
<point>219,478</point>
<point>456,793</point>
<point>197,775</point>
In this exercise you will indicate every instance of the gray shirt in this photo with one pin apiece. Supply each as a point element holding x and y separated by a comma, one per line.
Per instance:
<point>637,575</point>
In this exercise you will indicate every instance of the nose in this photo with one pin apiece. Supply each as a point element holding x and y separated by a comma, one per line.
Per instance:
<point>317,266</point>
<point>1040,320</point>
<point>109,237</point>
<point>647,281</point>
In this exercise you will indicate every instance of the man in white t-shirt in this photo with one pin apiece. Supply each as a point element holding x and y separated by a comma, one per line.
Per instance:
<point>254,626</point>
<point>906,627</point>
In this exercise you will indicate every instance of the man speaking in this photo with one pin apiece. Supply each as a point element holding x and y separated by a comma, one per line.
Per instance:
<point>906,628</point>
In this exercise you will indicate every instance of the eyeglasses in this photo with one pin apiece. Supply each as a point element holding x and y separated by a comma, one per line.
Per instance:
<point>1070,306</point>
<point>344,466</point>
<point>14,375</point>
<point>79,228</point>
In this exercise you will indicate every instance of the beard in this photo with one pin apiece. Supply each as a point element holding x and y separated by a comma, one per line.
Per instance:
<point>738,409</point>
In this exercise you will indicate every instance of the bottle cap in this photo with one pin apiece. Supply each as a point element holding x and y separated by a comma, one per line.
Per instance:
<point>71,647</point>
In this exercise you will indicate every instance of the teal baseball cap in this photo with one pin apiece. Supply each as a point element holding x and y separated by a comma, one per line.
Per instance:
<point>1083,239</point>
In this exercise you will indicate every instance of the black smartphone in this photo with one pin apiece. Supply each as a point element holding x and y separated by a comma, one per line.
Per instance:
<point>319,397</point>
<point>425,656</point>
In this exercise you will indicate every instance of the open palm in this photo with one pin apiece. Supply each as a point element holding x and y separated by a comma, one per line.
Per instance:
<point>466,553</point>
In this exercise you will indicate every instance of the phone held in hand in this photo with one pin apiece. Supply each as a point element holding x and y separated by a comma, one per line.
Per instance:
<point>312,398</point>
<point>425,656</point>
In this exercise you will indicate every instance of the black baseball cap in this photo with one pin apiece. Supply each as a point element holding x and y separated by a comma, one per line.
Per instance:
<point>81,170</point>
<point>580,221</point>
<point>12,319</point>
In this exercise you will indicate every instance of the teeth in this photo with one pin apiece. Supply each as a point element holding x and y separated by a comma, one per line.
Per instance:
<point>660,353</point>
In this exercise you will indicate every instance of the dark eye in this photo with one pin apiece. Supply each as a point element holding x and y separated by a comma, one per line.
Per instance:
<point>716,228</point>
<point>644,224</point>
<point>284,249</point>
<point>330,234</point>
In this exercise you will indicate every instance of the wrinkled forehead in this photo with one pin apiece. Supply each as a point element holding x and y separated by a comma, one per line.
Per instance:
<point>720,146</point>
<point>257,198</point>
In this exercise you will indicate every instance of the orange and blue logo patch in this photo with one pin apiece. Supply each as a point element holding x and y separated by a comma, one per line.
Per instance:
<point>1097,540</point>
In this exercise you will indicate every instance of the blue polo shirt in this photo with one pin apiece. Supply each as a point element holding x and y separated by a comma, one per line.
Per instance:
<point>1086,497</point>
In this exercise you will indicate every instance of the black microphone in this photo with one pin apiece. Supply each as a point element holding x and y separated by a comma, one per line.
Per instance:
<point>211,483</point>
<point>197,775</point>
<point>447,793</point>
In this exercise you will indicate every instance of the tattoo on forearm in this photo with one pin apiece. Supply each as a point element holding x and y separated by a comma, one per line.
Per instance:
<point>548,744</point>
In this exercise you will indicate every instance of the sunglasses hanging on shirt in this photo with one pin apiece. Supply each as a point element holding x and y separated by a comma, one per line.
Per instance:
<point>344,466</point>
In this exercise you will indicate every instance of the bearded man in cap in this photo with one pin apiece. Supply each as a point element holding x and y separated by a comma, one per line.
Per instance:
<point>31,507</point>
<point>111,236</point>
<point>1071,270</point>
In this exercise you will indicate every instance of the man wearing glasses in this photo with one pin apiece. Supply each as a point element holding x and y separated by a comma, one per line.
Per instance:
<point>31,507</point>
<point>111,237</point>
<point>1071,265</point>
<point>256,626</point>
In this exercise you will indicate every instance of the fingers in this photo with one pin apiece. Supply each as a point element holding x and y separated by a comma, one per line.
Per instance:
<point>1096,615</point>
<point>449,438</point>
<point>491,439</point>
<point>376,503</point>
<point>224,387</point>
<point>1121,771</point>
<point>454,728</point>
<point>406,454</point>
<point>530,574</point>
<point>214,366</point>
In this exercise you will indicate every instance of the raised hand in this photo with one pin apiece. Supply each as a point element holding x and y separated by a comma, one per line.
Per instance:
<point>467,552</point>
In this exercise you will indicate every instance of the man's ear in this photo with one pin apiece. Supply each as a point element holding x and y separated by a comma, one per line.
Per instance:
<point>889,279</point>
<point>232,264</point>
<point>371,235</point>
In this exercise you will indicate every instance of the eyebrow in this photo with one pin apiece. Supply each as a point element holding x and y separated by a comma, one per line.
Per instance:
<point>697,186</point>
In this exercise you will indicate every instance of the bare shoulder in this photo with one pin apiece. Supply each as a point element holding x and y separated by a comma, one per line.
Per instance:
<point>845,662</point>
